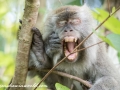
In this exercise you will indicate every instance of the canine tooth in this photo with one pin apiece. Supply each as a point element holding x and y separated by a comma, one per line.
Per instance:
<point>75,39</point>
<point>66,39</point>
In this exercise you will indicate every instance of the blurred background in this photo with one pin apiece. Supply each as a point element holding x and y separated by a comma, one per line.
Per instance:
<point>12,10</point>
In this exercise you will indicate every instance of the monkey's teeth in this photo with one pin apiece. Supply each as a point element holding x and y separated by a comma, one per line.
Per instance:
<point>70,39</point>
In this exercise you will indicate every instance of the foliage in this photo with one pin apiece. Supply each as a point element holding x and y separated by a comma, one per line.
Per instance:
<point>61,87</point>
<point>6,67</point>
<point>10,12</point>
<point>112,24</point>
<point>115,40</point>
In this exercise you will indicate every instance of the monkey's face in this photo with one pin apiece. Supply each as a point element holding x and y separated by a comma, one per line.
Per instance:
<point>67,25</point>
<point>69,36</point>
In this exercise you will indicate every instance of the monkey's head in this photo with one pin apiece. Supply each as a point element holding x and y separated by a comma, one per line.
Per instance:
<point>72,24</point>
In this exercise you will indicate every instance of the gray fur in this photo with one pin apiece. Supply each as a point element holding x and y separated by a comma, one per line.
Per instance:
<point>92,64</point>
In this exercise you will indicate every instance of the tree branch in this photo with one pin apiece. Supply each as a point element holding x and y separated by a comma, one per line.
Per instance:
<point>84,82</point>
<point>61,3</point>
<point>24,43</point>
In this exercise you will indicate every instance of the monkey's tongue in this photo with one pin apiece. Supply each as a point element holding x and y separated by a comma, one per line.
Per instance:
<point>69,49</point>
<point>70,46</point>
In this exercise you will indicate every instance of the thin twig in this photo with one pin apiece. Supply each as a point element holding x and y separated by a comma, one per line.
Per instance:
<point>108,3</point>
<point>60,2</point>
<point>86,83</point>
<point>86,47</point>
<point>75,49</point>
<point>89,46</point>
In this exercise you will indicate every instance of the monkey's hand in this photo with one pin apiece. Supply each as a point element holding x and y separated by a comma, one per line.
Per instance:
<point>53,44</point>
<point>40,60</point>
<point>37,45</point>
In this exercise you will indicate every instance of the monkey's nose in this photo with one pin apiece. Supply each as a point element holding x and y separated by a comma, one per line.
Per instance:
<point>68,30</point>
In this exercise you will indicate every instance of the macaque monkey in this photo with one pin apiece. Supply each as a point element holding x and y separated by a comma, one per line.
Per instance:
<point>64,29</point>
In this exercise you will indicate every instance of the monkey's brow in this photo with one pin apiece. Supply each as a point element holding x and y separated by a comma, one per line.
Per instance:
<point>66,14</point>
<point>70,13</point>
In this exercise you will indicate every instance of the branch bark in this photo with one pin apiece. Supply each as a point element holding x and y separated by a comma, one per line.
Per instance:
<point>24,43</point>
<point>84,82</point>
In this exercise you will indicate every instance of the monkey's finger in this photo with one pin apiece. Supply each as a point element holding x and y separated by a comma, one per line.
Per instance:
<point>56,46</point>
<point>55,40</point>
<point>55,49</point>
<point>36,31</point>
<point>54,36</point>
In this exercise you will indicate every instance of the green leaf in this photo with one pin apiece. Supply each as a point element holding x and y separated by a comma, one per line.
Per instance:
<point>111,24</point>
<point>61,87</point>
<point>106,40</point>
<point>76,2</point>
<point>119,56</point>
<point>6,59</point>
<point>113,9</point>
<point>115,40</point>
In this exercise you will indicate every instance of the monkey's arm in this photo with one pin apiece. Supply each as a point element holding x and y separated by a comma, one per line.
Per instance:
<point>106,77</point>
<point>39,60</point>
<point>105,83</point>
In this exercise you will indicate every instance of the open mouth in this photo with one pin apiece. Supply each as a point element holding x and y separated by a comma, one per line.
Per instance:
<point>69,45</point>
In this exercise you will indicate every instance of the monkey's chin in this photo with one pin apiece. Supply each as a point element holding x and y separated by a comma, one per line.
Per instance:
<point>71,57</point>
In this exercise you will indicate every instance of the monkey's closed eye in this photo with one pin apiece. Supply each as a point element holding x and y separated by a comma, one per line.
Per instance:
<point>75,21</point>
<point>62,23</point>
